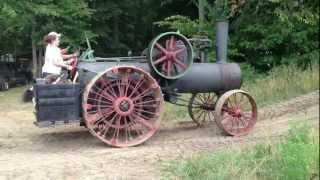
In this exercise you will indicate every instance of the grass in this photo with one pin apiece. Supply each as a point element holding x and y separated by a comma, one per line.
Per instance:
<point>294,157</point>
<point>173,112</point>
<point>280,84</point>
<point>283,83</point>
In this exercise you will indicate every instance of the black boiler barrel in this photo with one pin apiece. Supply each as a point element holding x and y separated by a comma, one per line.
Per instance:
<point>209,77</point>
<point>200,78</point>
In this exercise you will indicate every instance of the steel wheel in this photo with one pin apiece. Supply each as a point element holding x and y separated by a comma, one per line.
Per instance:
<point>201,107</point>
<point>170,55</point>
<point>236,112</point>
<point>122,106</point>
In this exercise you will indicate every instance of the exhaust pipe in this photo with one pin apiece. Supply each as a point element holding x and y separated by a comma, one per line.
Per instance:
<point>222,27</point>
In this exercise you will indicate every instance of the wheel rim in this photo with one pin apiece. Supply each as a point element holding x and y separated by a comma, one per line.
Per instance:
<point>236,112</point>
<point>201,107</point>
<point>170,55</point>
<point>122,106</point>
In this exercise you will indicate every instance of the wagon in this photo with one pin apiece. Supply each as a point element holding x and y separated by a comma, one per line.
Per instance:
<point>120,99</point>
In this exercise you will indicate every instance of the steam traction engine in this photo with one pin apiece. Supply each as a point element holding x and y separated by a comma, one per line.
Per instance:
<point>120,99</point>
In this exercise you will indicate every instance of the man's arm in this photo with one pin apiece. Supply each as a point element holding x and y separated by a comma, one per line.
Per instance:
<point>68,56</point>
<point>65,55</point>
<point>58,60</point>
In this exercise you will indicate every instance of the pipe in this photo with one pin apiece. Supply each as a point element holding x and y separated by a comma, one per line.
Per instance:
<point>222,27</point>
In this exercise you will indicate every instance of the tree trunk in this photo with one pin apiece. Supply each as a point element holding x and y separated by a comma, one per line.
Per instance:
<point>34,59</point>
<point>40,61</point>
<point>34,53</point>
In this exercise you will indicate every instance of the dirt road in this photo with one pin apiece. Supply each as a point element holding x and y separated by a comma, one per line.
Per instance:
<point>27,152</point>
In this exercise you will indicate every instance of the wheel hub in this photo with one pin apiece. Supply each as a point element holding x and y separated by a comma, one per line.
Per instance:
<point>170,55</point>
<point>238,113</point>
<point>123,106</point>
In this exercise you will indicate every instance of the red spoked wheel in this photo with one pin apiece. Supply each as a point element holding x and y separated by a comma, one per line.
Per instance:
<point>122,106</point>
<point>236,112</point>
<point>201,107</point>
<point>170,55</point>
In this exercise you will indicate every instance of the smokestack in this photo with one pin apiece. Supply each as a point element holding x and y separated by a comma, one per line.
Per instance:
<point>222,27</point>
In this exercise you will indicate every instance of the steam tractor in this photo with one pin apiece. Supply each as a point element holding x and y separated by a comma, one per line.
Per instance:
<point>120,99</point>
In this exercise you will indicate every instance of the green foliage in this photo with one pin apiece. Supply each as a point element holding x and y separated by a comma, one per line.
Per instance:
<point>250,74</point>
<point>281,83</point>
<point>26,21</point>
<point>295,157</point>
<point>181,23</point>
<point>271,33</point>
<point>264,34</point>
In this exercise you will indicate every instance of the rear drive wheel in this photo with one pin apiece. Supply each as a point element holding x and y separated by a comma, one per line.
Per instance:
<point>122,106</point>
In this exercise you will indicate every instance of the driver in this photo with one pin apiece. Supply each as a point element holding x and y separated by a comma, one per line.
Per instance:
<point>51,70</point>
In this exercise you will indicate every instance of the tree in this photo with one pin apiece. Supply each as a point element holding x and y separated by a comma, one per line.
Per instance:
<point>31,20</point>
<point>262,33</point>
<point>275,32</point>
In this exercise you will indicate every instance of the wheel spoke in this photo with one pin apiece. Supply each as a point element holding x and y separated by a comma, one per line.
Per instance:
<point>172,43</point>
<point>107,84</point>
<point>137,86</point>
<point>169,68</point>
<point>108,127</point>
<point>200,114</point>
<point>143,94</point>
<point>180,50</point>
<point>163,68</point>
<point>243,122</point>
<point>167,44</point>
<point>135,126</point>
<point>107,96</point>
<point>144,111</point>
<point>126,82</point>
<point>147,102</point>
<point>145,123</point>
<point>160,60</point>
<point>179,63</point>
<point>161,48</point>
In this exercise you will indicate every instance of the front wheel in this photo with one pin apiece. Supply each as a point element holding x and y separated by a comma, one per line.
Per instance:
<point>236,112</point>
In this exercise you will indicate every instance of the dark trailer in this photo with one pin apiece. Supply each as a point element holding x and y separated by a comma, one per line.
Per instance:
<point>14,71</point>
